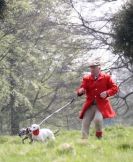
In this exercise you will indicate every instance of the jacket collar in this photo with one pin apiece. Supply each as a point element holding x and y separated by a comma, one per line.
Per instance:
<point>100,76</point>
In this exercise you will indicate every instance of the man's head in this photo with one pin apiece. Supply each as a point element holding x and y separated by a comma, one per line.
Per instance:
<point>95,68</point>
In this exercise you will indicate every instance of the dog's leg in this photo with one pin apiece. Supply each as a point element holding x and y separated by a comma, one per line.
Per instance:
<point>24,139</point>
<point>56,133</point>
<point>30,137</point>
<point>31,141</point>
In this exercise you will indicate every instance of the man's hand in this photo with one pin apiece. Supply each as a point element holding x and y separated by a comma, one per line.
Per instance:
<point>81,91</point>
<point>103,94</point>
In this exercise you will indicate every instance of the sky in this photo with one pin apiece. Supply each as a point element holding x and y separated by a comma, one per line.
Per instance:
<point>93,11</point>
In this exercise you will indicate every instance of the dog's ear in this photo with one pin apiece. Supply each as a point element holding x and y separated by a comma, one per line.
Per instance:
<point>28,130</point>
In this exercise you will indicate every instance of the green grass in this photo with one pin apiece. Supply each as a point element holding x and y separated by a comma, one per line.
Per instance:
<point>116,146</point>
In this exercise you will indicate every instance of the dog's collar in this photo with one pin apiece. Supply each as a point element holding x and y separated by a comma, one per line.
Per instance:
<point>36,132</point>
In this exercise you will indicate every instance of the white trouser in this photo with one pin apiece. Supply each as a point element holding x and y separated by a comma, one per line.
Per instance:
<point>92,114</point>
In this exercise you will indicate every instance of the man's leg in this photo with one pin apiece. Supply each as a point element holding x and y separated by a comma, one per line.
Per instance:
<point>98,120</point>
<point>86,121</point>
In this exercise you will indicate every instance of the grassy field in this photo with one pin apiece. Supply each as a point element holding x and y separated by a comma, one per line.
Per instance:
<point>116,146</point>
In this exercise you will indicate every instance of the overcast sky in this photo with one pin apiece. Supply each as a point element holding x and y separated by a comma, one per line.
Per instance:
<point>93,11</point>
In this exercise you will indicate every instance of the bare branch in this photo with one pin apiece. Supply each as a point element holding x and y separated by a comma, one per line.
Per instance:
<point>85,23</point>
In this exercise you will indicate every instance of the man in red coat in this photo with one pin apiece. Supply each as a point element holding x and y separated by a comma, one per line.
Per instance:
<point>97,87</point>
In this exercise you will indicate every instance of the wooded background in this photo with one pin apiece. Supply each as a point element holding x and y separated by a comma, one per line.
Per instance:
<point>45,47</point>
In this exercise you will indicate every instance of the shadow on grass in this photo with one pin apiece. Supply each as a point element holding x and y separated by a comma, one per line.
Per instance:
<point>66,149</point>
<point>125,146</point>
<point>10,140</point>
<point>3,140</point>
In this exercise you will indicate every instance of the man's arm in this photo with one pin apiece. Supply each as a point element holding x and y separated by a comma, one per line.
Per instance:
<point>112,87</point>
<point>81,90</point>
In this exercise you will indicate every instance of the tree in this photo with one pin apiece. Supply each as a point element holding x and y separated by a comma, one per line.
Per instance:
<point>40,60</point>
<point>22,63</point>
<point>123,31</point>
<point>34,54</point>
<point>98,32</point>
<point>2,8</point>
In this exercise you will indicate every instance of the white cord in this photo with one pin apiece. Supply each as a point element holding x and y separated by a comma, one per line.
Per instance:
<point>57,111</point>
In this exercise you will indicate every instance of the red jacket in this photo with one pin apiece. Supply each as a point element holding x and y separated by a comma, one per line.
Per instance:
<point>93,89</point>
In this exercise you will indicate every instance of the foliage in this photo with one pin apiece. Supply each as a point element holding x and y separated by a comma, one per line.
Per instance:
<point>123,31</point>
<point>2,8</point>
<point>33,57</point>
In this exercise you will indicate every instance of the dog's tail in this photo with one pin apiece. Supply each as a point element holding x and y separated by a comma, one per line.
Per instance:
<point>56,133</point>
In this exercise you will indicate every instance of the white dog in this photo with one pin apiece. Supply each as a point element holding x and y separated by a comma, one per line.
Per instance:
<point>41,134</point>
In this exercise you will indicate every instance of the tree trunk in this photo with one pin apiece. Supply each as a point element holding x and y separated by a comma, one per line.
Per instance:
<point>14,114</point>
<point>14,117</point>
<point>1,125</point>
<point>14,123</point>
<point>67,121</point>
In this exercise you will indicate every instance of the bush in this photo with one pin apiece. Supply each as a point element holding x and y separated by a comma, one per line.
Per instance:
<point>123,31</point>
<point>2,8</point>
